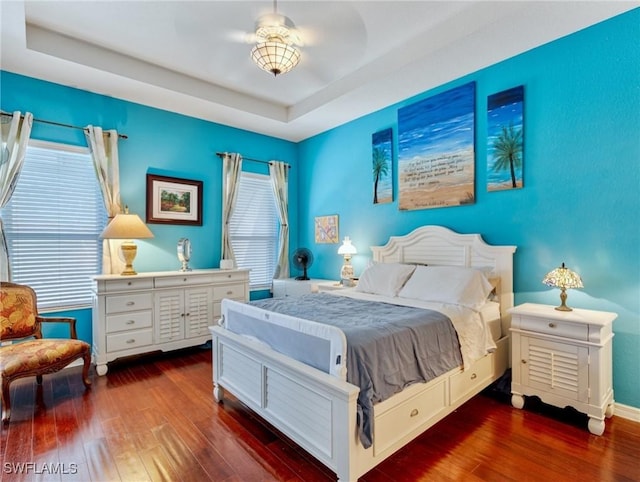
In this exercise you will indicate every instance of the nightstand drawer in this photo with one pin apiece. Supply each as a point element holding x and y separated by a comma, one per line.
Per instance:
<point>129,321</point>
<point>565,329</point>
<point>129,302</point>
<point>128,340</point>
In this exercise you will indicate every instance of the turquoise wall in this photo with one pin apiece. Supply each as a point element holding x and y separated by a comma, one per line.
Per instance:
<point>580,202</point>
<point>159,142</point>
<point>581,198</point>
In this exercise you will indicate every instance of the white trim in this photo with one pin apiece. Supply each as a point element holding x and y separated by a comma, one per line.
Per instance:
<point>628,412</point>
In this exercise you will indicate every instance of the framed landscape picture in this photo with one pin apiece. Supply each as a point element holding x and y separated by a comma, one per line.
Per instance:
<point>171,200</point>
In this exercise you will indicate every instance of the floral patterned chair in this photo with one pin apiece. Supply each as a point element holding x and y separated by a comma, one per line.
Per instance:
<point>19,319</point>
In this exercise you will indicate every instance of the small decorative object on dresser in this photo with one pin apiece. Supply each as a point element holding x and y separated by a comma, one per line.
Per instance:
<point>564,358</point>
<point>184,253</point>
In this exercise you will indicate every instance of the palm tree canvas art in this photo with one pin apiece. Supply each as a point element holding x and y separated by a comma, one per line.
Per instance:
<point>382,166</point>
<point>505,127</point>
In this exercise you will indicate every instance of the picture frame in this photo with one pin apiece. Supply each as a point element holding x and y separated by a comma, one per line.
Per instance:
<point>326,229</point>
<point>172,200</point>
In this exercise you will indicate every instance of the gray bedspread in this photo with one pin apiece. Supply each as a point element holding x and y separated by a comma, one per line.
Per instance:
<point>389,347</point>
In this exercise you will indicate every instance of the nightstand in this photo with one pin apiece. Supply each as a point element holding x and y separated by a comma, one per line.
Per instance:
<point>565,358</point>
<point>330,286</point>
<point>283,288</point>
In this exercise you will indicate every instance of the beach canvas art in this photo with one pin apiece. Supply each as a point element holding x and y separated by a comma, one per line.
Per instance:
<point>505,136</point>
<point>436,154</point>
<point>382,166</point>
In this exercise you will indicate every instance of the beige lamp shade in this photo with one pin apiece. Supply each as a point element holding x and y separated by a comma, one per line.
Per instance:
<point>127,227</point>
<point>564,279</point>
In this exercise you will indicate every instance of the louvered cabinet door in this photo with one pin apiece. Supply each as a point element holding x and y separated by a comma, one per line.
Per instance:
<point>558,368</point>
<point>170,316</point>
<point>199,311</point>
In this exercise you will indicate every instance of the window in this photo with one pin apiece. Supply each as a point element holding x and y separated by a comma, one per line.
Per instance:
<point>253,229</point>
<point>53,223</point>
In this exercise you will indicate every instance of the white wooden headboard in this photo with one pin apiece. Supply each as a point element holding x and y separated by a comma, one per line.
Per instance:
<point>439,246</point>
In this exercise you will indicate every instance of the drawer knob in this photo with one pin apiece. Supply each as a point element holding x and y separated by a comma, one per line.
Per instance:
<point>185,280</point>
<point>524,362</point>
<point>129,283</point>
<point>130,322</point>
<point>131,340</point>
<point>229,292</point>
<point>474,376</point>
<point>131,303</point>
<point>552,325</point>
<point>414,412</point>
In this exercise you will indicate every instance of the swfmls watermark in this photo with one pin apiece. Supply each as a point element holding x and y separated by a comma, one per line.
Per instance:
<point>39,468</point>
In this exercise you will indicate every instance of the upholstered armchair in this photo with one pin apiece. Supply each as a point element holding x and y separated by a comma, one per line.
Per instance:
<point>19,319</point>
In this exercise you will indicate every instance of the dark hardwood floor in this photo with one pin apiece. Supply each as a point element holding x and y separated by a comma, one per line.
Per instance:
<point>155,419</point>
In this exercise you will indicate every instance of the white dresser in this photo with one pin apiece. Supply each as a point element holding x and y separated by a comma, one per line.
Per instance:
<point>283,288</point>
<point>565,358</point>
<point>159,311</point>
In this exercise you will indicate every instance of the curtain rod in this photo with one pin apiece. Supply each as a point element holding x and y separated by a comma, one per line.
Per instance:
<point>10,114</point>
<point>220,154</point>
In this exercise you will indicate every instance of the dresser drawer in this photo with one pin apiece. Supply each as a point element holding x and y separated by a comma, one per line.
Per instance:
<point>129,339</point>
<point>464,382</point>
<point>129,321</point>
<point>392,427</point>
<point>235,291</point>
<point>128,284</point>
<point>564,329</point>
<point>129,302</point>
<point>225,277</point>
<point>183,280</point>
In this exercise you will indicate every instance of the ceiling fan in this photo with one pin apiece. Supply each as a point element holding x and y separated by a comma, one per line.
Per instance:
<point>276,43</point>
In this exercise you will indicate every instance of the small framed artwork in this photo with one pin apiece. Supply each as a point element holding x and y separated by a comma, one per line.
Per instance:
<point>171,200</point>
<point>326,229</point>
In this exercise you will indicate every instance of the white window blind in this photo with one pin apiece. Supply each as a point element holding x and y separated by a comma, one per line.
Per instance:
<point>253,229</point>
<point>53,223</point>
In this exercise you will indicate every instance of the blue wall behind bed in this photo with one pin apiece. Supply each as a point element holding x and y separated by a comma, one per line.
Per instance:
<point>581,198</point>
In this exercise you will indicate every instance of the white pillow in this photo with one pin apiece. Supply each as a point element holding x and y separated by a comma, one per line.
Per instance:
<point>448,284</point>
<point>384,278</point>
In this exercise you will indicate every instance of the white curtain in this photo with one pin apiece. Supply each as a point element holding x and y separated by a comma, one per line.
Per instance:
<point>15,136</point>
<point>279,175</point>
<point>104,151</point>
<point>231,170</point>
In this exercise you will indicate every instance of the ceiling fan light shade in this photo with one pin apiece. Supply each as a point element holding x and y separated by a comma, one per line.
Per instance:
<point>275,57</point>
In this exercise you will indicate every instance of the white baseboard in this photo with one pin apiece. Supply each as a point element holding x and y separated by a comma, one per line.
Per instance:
<point>627,411</point>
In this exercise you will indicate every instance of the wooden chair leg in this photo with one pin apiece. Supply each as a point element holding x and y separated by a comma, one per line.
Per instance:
<point>85,369</point>
<point>39,379</point>
<point>6,401</point>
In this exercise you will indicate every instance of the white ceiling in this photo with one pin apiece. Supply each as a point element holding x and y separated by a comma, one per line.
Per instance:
<point>191,57</point>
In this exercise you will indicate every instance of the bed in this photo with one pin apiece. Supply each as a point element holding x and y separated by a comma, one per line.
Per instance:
<point>311,401</point>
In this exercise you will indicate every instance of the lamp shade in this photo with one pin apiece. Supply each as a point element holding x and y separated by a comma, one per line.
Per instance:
<point>126,226</point>
<point>563,277</point>
<point>275,56</point>
<point>347,247</point>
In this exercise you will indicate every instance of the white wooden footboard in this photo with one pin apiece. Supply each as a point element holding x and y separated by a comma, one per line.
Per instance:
<point>318,411</point>
<point>314,409</point>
